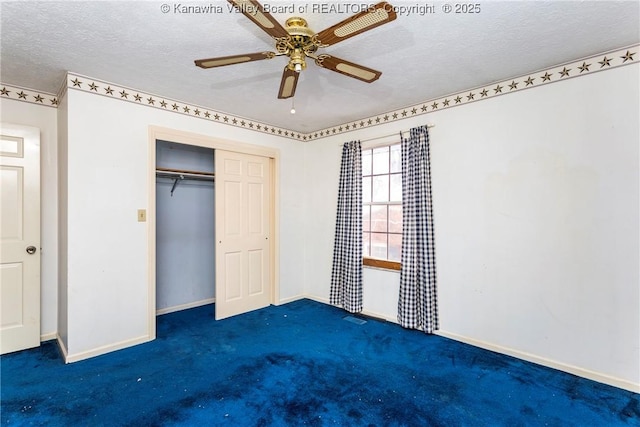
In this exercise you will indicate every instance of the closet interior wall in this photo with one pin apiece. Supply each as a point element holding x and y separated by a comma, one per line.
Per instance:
<point>185,229</point>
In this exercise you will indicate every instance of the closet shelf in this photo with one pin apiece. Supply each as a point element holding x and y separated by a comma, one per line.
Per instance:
<point>179,175</point>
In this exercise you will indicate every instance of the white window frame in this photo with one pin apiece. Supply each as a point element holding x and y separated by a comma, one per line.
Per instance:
<point>367,260</point>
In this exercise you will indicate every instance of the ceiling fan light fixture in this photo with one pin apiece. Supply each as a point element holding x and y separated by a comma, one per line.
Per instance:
<point>297,62</point>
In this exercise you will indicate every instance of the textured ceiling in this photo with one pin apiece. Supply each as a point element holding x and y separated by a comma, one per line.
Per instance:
<point>421,56</point>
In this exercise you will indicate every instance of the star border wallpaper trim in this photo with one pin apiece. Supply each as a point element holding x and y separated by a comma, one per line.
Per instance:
<point>18,93</point>
<point>122,93</point>
<point>582,67</point>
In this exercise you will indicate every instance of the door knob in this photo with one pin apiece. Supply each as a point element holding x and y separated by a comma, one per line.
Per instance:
<point>31,250</point>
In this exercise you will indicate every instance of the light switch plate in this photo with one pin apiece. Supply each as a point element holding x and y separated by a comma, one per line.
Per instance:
<point>142,215</point>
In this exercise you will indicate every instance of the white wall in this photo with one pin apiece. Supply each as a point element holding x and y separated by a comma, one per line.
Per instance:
<point>536,205</point>
<point>44,118</point>
<point>63,139</point>
<point>185,230</point>
<point>107,246</point>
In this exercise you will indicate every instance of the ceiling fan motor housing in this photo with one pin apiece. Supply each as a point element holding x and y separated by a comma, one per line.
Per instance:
<point>300,43</point>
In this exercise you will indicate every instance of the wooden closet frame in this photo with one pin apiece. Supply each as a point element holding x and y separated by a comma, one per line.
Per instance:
<point>157,133</point>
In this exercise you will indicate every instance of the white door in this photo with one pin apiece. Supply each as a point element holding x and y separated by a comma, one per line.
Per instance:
<point>20,238</point>
<point>243,220</point>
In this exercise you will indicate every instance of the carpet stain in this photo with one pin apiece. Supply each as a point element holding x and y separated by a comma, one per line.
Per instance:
<point>631,411</point>
<point>527,411</point>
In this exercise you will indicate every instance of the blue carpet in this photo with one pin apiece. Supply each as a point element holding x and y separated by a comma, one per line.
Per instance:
<point>299,364</point>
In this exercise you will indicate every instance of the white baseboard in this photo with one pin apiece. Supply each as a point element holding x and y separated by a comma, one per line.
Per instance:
<point>70,358</point>
<point>186,306</point>
<point>575,370</point>
<point>48,337</point>
<point>290,299</point>
<point>315,298</point>
<point>368,313</point>
<point>380,316</point>
<point>62,347</point>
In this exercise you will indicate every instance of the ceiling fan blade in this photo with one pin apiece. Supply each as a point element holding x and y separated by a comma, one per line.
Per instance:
<point>373,17</point>
<point>288,83</point>
<point>255,11</point>
<point>348,68</point>
<point>233,59</point>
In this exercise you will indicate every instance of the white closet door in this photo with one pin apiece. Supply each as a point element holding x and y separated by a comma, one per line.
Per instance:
<point>243,219</point>
<point>20,236</point>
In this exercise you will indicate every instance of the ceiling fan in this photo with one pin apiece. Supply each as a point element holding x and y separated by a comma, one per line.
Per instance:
<point>298,42</point>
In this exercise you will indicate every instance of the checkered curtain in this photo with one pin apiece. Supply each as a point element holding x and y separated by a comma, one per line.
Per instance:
<point>417,303</point>
<point>346,274</point>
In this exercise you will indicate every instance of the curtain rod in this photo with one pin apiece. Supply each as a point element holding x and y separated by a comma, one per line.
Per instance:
<point>392,134</point>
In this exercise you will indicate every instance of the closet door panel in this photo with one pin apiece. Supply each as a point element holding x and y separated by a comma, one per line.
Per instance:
<point>256,269</point>
<point>255,169</point>
<point>243,218</point>
<point>232,206</point>
<point>233,167</point>
<point>255,211</point>
<point>233,269</point>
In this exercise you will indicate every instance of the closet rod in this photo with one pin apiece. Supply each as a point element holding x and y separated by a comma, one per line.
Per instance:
<point>185,173</point>
<point>179,174</point>
<point>406,132</point>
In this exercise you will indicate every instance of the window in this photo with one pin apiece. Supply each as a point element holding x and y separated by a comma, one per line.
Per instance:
<point>382,206</point>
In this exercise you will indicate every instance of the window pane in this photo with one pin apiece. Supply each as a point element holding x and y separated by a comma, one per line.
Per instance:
<point>366,218</point>
<point>366,162</point>
<point>366,243</point>
<point>395,247</point>
<point>381,188</point>
<point>379,245</point>
<point>380,160</point>
<point>382,198</point>
<point>366,190</point>
<point>396,158</point>
<point>395,189</point>
<point>379,218</point>
<point>395,219</point>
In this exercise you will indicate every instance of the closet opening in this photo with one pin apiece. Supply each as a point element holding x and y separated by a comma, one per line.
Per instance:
<point>185,226</point>
<point>212,224</point>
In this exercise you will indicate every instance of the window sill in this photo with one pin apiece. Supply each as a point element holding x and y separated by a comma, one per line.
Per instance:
<point>381,263</point>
